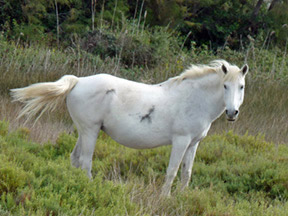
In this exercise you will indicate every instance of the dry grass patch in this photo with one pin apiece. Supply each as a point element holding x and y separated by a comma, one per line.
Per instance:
<point>46,129</point>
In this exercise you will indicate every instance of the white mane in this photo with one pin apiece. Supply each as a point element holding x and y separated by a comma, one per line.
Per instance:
<point>199,71</point>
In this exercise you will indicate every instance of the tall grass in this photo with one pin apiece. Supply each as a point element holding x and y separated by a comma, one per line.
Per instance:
<point>264,111</point>
<point>21,66</point>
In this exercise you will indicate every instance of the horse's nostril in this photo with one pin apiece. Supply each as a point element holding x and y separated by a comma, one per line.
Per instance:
<point>232,113</point>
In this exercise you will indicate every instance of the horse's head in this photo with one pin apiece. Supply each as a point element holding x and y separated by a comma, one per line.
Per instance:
<point>234,85</point>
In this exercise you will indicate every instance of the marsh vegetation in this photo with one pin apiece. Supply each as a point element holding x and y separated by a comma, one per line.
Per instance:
<point>240,168</point>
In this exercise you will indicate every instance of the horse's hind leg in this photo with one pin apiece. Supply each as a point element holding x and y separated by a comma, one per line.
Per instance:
<point>88,141</point>
<point>75,155</point>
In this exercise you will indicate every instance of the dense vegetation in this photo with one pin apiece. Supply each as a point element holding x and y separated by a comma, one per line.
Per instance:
<point>233,175</point>
<point>210,22</point>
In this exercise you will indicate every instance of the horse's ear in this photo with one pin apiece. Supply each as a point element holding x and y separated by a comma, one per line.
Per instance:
<point>245,69</point>
<point>224,69</point>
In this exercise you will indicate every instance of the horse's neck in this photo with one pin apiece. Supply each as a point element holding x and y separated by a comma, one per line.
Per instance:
<point>216,101</point>
<point>209,93</point>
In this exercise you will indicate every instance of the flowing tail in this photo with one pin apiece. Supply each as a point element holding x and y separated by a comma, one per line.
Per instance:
<point>41,97</point>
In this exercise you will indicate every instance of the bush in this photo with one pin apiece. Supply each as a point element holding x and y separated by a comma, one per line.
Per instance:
<point>232,175</point>
<point>11,178</point>
<point>242,164</point>
<point>133,48</point>
<point>32,182</point>
<point>99,43</point>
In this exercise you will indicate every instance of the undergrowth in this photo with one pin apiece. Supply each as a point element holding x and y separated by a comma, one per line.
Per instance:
<point>232,175</point>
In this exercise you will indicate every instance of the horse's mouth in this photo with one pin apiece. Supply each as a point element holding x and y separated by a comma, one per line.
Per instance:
<point>231,119</point>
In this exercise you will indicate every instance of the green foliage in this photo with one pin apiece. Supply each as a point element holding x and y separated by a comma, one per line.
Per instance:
<point>209,22</point>
<point>11,179</point>
<point>113,11</point>
<point>134,47</point>
<point>4,126</point>
<point>100,43</point>
<point>278,19</point>
<point>245,165</point>
<point>234,175</point>
<point>165,12</point>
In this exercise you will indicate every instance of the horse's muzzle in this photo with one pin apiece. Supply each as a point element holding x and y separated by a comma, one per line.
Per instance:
<point>232,114</point>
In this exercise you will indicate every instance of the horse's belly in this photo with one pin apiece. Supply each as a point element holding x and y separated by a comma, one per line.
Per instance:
<point>134,142</point>
<point>139,137</point>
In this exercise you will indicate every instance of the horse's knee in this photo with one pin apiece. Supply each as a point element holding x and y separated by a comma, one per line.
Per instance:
<point>186,169</point>
<point>185,175</point>
<point>185,178</point>
<point>86,164</point>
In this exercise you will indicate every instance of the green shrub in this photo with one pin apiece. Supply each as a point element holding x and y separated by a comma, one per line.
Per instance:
<point>11,178</point>
<point>40,179</point>
<point>99,43</point>
<point>232,175</point>
<point>240,165</point>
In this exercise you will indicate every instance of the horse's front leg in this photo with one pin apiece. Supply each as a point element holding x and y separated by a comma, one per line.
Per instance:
<point>187,164</point>
<point>179,146</point>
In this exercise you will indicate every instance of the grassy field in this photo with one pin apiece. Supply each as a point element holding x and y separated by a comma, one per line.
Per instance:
<point>232,175</point>
<point>240,168</point>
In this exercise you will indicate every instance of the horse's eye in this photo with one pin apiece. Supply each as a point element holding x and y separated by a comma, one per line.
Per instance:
<point>225,87</point>
<point>242,87</point>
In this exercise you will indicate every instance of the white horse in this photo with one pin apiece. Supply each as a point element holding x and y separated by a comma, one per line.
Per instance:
<point>178,111</point>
